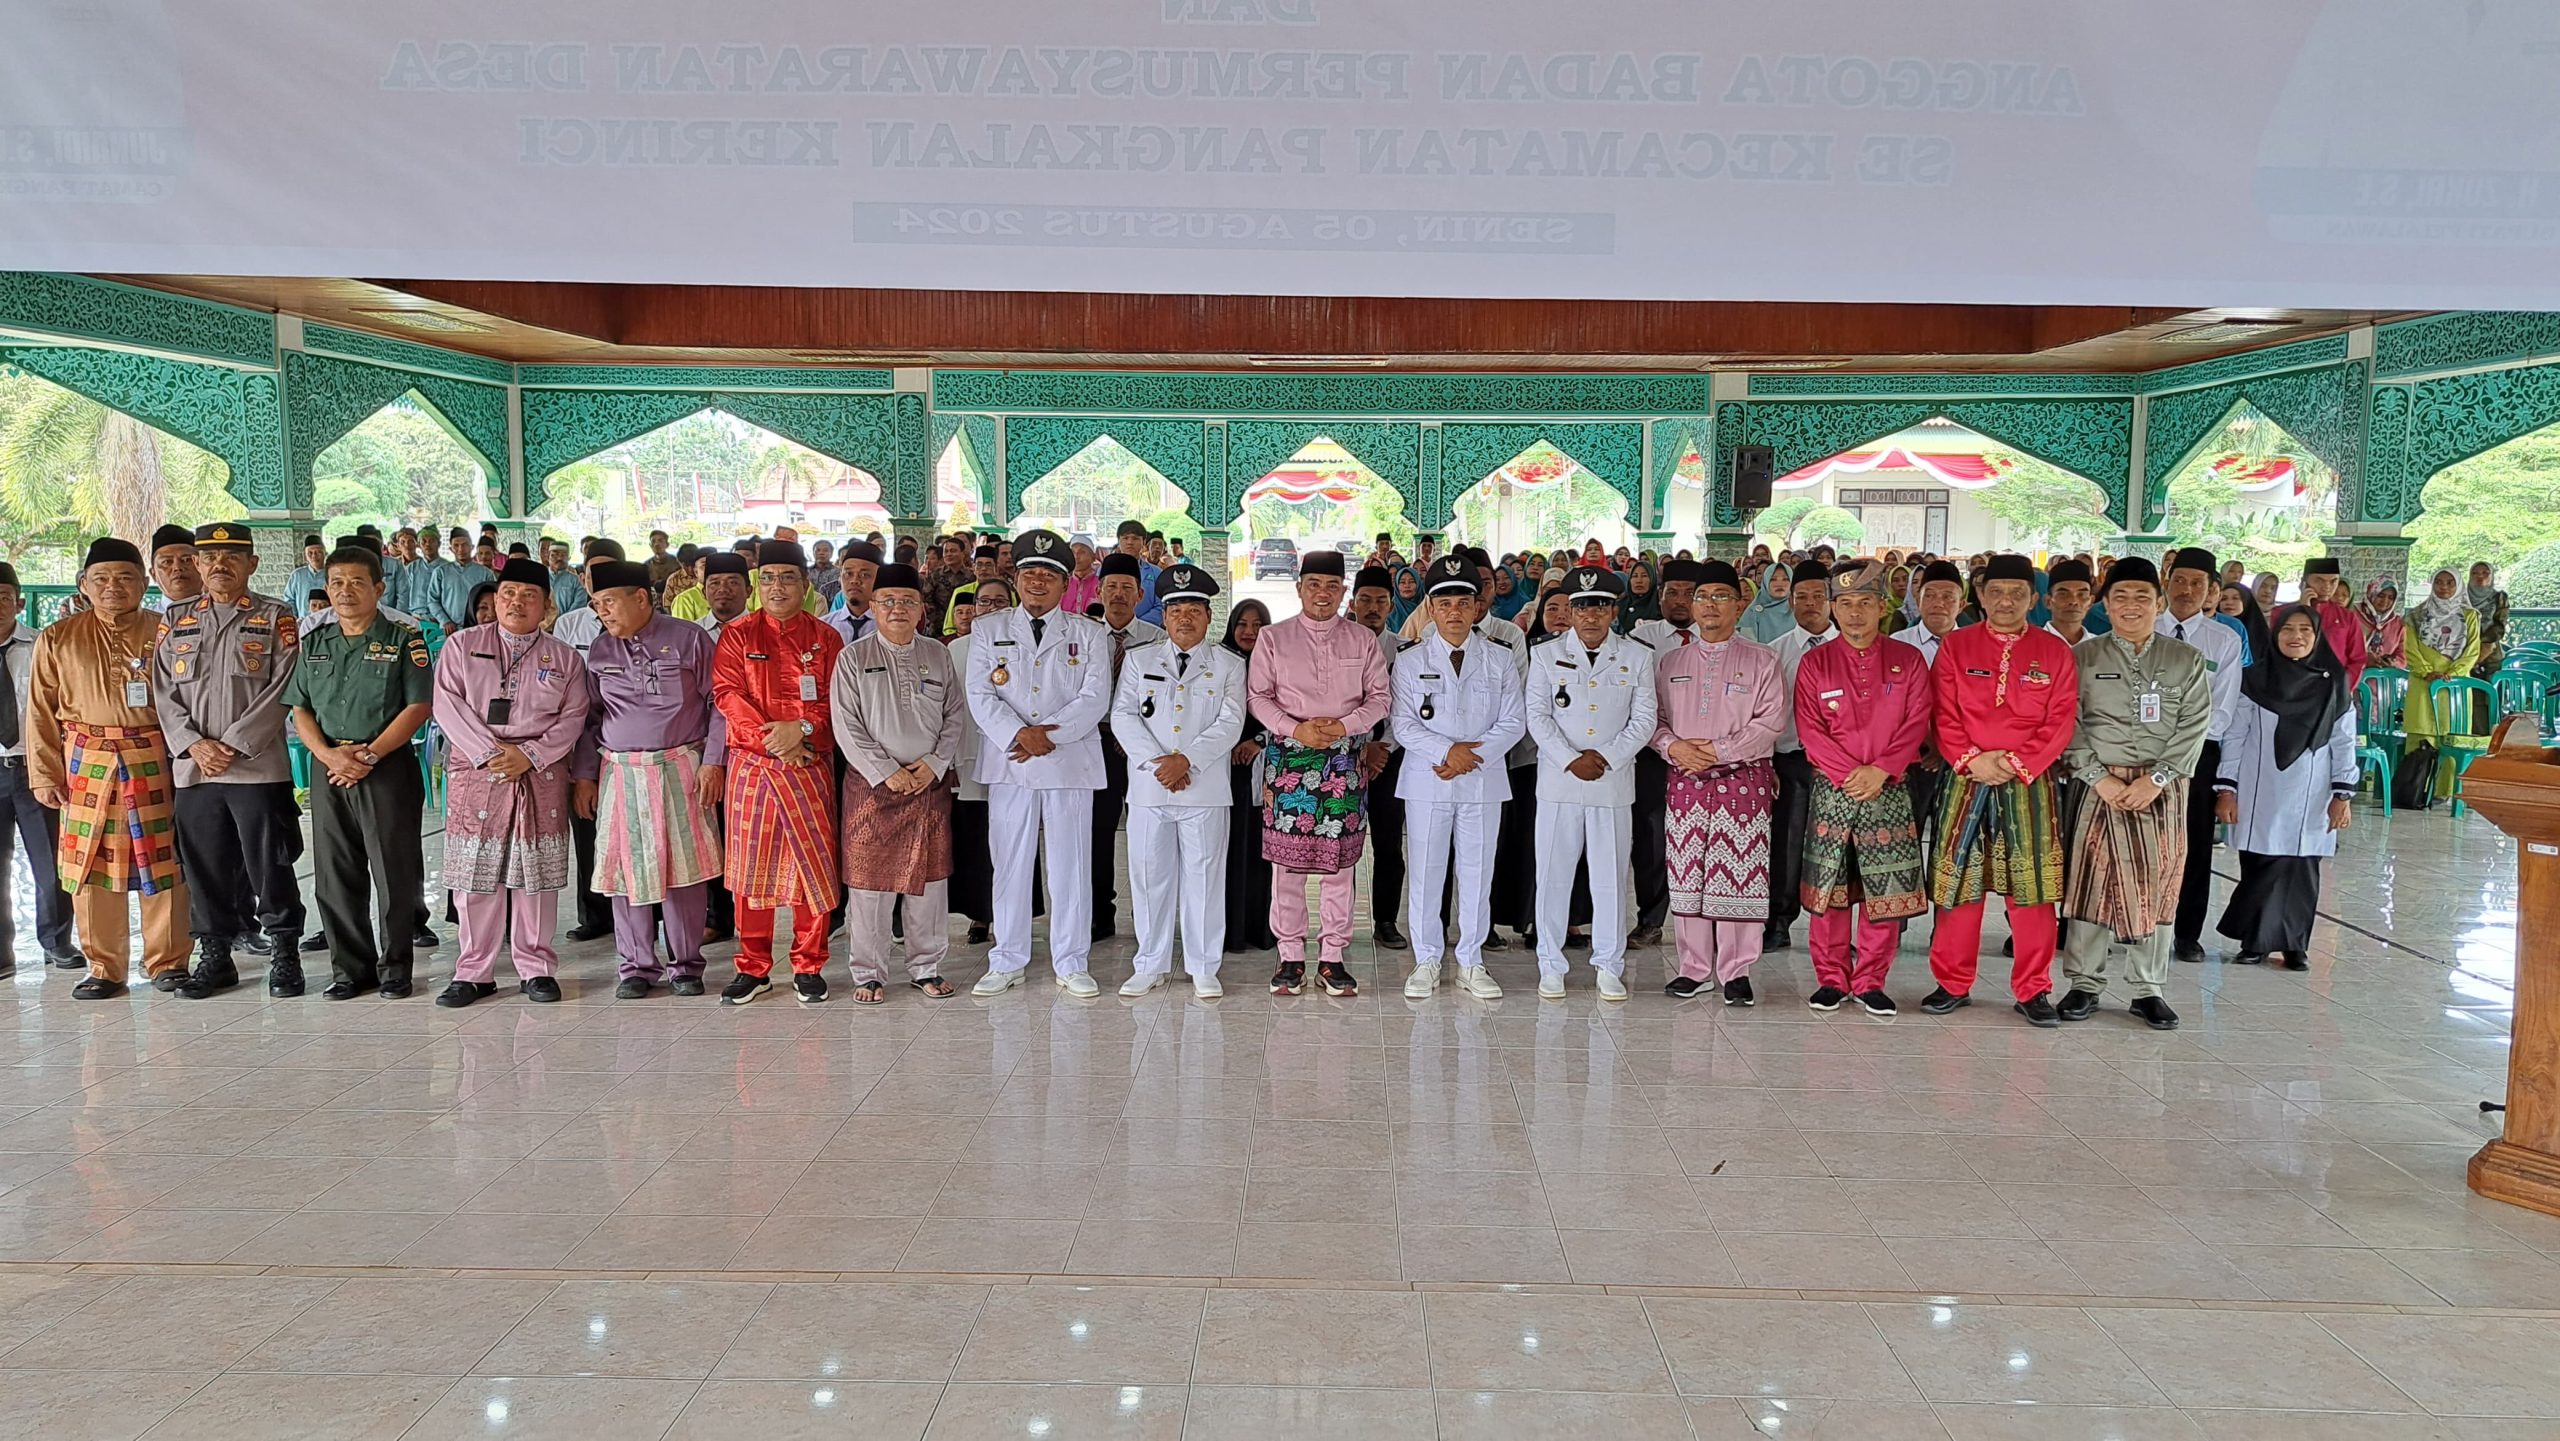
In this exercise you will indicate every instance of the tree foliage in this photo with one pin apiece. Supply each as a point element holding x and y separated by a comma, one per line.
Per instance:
<point>1093,490</point>
<point>1558,515</point>
<point>399,467</point>
<point>1777,524</point>
<point>72,469</point>
<point>2207,506</point>
<point>2044,506</point>
<point>2496,507</point>
<point>2533,581</point>
<point>1829,524</point>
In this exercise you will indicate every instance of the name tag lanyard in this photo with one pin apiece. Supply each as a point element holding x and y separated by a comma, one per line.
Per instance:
<point>502,707</point>
<point>137,690</point>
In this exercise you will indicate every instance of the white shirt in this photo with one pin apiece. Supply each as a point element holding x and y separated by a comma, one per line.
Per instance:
<point>1062,679</point>
<point>1576,702</point>
<point>2221,646</point>
<point>1920,635</point>
<point>578,629</point>
<point>1477,701</point>
<point>1662,635</point>
<point>1791,648</point>
<point>1170,700</point>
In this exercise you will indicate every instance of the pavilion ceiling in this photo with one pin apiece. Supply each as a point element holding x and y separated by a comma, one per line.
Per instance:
<point>674,324</point>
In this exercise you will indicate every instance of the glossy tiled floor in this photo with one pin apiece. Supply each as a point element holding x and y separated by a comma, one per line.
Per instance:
<point>1309,1218</point>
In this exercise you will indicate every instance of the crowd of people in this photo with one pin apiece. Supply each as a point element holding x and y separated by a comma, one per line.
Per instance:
<point>1583,748</point>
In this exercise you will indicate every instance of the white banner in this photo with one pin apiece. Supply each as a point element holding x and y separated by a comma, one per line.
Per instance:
<point>2336,153</point>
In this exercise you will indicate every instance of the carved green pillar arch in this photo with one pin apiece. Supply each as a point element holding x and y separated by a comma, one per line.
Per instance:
<point>1393,449</point>
<point>1613,451</point>
<point>1035,445</point>
<point>238,415</point>
<point>2324,408</point>
<point>874,432</point>
<point>325,399</point>
<point>977,437</point>
<point>2090,437</point>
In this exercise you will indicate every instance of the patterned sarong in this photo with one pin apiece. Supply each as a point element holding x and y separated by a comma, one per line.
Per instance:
<point>119,831</point>
<point>782,833</point>
<point>1716,840</point>
<point>650,836</point>
<point>1315,819</point>
<point>2004,838</point>
<point>1862,853</point>
<point>894,842</point>
<point>2126,866</point>
<point>505,835</point>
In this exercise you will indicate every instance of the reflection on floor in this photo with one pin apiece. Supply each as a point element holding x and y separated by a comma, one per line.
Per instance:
<point>1305,1218</point>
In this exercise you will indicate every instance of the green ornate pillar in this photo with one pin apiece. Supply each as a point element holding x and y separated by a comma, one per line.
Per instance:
<point>1726,532</point>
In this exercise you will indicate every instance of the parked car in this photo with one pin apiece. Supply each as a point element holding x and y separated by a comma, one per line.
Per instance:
<point>1274,556</point>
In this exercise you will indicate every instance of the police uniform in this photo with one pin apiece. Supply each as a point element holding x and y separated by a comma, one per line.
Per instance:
<point>1047,670</point>
<point>217,675</point>
<point>1445,695</point>
<point>1189,703</point>
<point>1602,701</point>
<point>353,687</point>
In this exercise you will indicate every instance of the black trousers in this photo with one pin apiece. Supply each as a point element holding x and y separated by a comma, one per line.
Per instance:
<point>1386,835</point>
<point>1786,838</point>
<point>2195,889</point>
<point>595,912</point>
<point>1515,854</point>
<point>1651,851</point>
<point>1107,806</point>
<point>367,834</point>
<point>237,845</point>
<point>24,822</point>
<point>972,889</point>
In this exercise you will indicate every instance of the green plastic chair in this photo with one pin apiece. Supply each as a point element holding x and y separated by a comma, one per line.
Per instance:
<point>2378,740</point>
<point>2457,702</point>
<point>2523,690</point>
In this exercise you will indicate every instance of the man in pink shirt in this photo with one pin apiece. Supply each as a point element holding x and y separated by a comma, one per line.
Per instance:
<point>1318,683</point>
<point>2326,592</point>
<point>1722,707</point>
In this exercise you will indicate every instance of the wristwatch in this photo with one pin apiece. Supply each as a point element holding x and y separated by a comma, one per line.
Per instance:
<point>366,755</point>
<point>2161,776</point>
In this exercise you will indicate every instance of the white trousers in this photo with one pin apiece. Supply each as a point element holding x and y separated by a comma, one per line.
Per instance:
<point>926,919</point>
<point>1178,868</point>
<point>1016,815</point>
<point>1566,833</point>
<point>1434,831</point>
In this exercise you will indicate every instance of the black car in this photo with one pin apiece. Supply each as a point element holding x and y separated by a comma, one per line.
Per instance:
<point>1275,557</point>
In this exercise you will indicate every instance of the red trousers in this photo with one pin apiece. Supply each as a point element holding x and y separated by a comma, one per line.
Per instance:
<point>1833,964</point>
<point>1957,943</point>
<point>808,940</point>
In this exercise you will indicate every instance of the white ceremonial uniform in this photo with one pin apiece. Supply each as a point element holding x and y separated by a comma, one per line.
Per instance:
<point>1192,702</point>
<point>1577,702</point>
<point>1479,701</point>
<point>1058,675</point>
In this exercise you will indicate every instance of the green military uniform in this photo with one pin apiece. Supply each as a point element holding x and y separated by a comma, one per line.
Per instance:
<point>354,686</point>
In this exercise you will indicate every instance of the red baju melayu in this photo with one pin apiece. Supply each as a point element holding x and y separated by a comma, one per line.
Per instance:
<point>1859,708</point>
<point>2021,694</point>
<point>781,843</point>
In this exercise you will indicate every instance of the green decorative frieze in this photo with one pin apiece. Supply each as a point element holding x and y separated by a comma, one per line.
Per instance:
<point>2455,417</point>
<point>1121,393</point>
<point>1732,419</point>
<point>1037,445</point>
<point>562,427</point>
<point>2324,409</point>
<point>1612,452</point>
<point>702,377</point>
<point>326,398</point>
<point>76,307</point>
<point>2090,438</point>
<point>2300,355</point>
<point>406,354</point>
<point>1393,449</point>
<point>910,434</point>
<point>235,414</point>
<point>1949,385</point>
<point>2460,339</point>
<point>2386,490</point>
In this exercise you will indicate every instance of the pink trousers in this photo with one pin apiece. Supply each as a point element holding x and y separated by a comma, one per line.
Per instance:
<point>1716,950</point>
<point>488,918</point>
<point>1835,966</point>
<point>1334,895</point>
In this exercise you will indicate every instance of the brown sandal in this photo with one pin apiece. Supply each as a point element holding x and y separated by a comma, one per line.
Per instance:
<point>935,986</point>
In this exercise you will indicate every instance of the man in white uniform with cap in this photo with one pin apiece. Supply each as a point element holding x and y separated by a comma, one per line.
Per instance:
<point>1591,709</point>
<point>1457,712</point>
<point>1178,713</point>
<point>1039,687</point>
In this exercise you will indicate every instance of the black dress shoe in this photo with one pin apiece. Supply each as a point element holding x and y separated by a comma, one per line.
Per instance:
<point>2296,961</point>
<point>2038,1010</point>
<point>583,932</point>
<point>633,988</point>
<point>1645,936</point>
<point>1775,938</point>
<point>1576,941</point>
<point>714,935</point>
<point>2187,949</point>
<point>1941,1001</point>
<point>314,943</point>
<point>2250,958</point>
<point>97,988</point>
<point>540,988</point>
<point>257,943</point>
<point>397,984</point>
<point>2155,1013</point>
<point>462,993</point>
<point>1737,992</point>
<point>686,985</point>
<point>69,961</point>
<point>343,991</point>
<point>1389,938</point>
<point>1493,940</point>
<point>980,935</point>
<point>2077,1005</point>
<point>424,938</point>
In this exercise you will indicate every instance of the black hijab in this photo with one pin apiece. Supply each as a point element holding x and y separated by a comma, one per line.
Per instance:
<point>1236,614</point>
<point>2305,696</point>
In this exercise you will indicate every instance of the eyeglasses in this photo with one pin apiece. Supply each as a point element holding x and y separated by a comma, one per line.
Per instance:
<point>902,602</point>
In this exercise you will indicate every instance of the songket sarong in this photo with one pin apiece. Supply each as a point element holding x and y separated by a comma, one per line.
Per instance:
<point>1315,818</point>
<point>2005,838</point>
<point>1862,853</point>
<point>505,835</point>
<point>1716,840</point>
<point>2126,866</point>
<point>782,833</point>
<point>894,842</point>
<point>651,836</point>
<point>119,827</point>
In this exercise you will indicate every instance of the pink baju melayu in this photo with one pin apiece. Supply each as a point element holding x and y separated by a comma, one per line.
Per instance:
<point>1302,670</point>
<point>1730,695</point>
<point>506,843</point>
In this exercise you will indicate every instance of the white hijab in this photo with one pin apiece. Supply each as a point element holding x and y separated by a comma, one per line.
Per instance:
<point>2438,619</point>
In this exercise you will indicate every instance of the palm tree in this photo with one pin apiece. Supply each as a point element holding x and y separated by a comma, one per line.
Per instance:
<point>787,462</point>
<point>71,468</point>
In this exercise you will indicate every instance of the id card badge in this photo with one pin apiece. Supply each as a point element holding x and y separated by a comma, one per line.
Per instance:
<point>137,694</point>
<point>500,708</point>
<point>2151,707</point>
<point>808,687</point>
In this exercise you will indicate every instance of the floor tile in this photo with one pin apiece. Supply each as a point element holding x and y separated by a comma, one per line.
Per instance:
<point>1777,1348</point>
<point>807,1411</point>
<point>2043,1355</point>
<point>244,1406</point>
<point>2460,1365</point>
<point>552,1408</point>
<point>2228,1358</point>
<point>984,1412</point>
<point>1123,1335</point>
<point>416,1326</point>
<point>1504,1415</point>
<point>1542,1342</point>
<point>1284,1338</point>
<point>93,1405</point>
<point>657,1329</point>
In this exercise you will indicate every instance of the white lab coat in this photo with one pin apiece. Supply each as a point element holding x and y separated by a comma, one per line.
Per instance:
<point>2285,812</point>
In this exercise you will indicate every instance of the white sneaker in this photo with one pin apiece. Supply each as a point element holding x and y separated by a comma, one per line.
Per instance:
<point>1479,983</point>
<point>1613,987</point>
<point>1141,983</point>
<point>996,983</point>
<point>1207,988</point>
<point>1423,981</point>
<point>1550,988</point>
<point>1079,985</point>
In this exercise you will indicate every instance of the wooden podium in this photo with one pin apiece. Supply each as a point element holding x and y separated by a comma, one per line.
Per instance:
<point>2517,786</point>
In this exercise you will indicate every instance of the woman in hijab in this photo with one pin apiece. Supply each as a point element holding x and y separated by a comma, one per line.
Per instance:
<point>2490,604</point>
<point>1642,603</point>
<point>2379,614</point>
<point>1509,595</point>
<point>1897,591</point>
<point>1550,615</point>
<point>2288,767</point>
<point>1767,618</point>
<point>2238,607</point>
<point>1408,600</point>
<point>1248,874</point>
<point>2265,589</point>
<point>2440,642</point>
